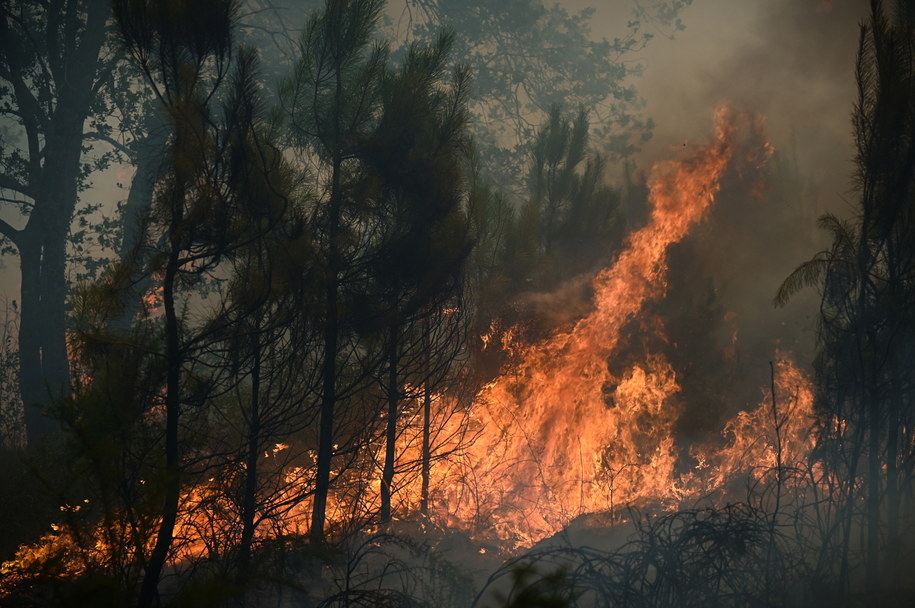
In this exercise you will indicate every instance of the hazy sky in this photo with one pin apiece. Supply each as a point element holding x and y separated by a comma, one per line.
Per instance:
<point>791,60</point>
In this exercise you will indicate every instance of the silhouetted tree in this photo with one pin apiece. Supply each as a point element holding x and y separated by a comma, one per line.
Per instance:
<point>569,224</point>
<point>527,56</point>
<point>418,156</point>
<point>332,100</point>
<point>220,193</point>
<point>866,277</point>
<point>577,211</point>
<point>263,343</point>
<point>51,72</point>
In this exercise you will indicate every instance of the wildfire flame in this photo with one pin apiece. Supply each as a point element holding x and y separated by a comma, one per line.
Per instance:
<point>558,434</point>
<point>551,442</point>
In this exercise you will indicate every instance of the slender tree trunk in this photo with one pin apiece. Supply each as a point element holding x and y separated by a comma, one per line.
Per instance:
<point>249,500</point>
<point>326,424</point>
<point>872,560</point>
<point>892,487</point>
<point>149,590</point>
<point>390,452</point>
<point>848,502</point>
<point>779,481</point>
<point>426,465</point>
<point>427,450</point>
<point>329,371</point>
<point>331,334</point>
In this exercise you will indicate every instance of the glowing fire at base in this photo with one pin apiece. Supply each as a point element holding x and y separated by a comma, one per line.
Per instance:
<point>557,434</point>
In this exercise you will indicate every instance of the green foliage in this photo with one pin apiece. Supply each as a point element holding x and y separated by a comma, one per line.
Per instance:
<point>332,96</point>
<point>576,209</point>
<point>417,154</point>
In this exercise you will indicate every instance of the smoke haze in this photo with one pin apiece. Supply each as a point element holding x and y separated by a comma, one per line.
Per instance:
<point>791,63</point>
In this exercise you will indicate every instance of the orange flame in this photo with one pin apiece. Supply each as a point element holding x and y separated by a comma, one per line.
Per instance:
<point>774,436</point>
<point>559,435</point>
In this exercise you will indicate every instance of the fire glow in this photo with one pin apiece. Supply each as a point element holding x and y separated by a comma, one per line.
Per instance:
<point>557,434</point>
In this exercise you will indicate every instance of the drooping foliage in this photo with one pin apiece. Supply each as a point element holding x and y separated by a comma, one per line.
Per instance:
<point>866,325</point>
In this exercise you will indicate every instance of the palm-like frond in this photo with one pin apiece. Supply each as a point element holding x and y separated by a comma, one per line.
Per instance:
<point>808,274</point>
<point>814,271</point>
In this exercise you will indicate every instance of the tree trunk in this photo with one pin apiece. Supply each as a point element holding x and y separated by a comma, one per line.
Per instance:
<point>55,361</point>
<point>136,210</point>
<point>249,500</point>
<point>149,590</point>
<point>326,424</point>
<point>44,366</point>
<point>390,452</point>
<point>892,486</point>
<point>426,465</point>
<point>872,562</point>
<point>31,377</point>
<point>331,335</point>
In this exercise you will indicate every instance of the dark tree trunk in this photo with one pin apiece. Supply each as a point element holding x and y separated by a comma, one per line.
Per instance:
<point>390,452</point>
<point>331,334</point>
<point>427,450</point>
<point>149,590</point>
<point>329,371</point>
<point>31,376</point>
<point>136,209</point>
<point>45,372</point>
<point>892,486</point>
<point>872,566</point>
<point>249,500</point>
<point>54,179</point>
<point>326,424</point>
<point>426,465</point>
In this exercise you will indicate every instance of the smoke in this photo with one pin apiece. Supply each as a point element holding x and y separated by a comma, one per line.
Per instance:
<point>790,62</point>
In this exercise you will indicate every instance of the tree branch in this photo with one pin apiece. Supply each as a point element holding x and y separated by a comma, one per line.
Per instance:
<point>31,115</point>
<point>13,201</point>
<point>8,183</point>
<point>95,135</point>
<point>9,232</point>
